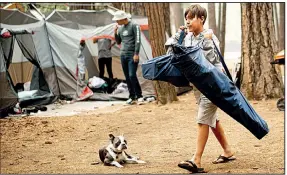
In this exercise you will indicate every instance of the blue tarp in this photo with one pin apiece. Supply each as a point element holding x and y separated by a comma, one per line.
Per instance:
<point>218,88</point>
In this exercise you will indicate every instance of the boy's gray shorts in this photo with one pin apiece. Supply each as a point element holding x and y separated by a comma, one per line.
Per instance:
<point>206,109</point>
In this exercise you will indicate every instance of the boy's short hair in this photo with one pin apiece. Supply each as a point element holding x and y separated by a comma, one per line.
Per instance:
<point>196,10</point>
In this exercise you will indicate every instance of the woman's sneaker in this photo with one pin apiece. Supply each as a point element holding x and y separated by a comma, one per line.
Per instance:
<point>130,101</point>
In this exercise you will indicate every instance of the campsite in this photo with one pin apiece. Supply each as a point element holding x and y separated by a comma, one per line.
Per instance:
<point>162,136</point>
<point>56,111</point>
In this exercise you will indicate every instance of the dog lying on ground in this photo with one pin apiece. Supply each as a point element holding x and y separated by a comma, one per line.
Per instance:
<point>115,153</point>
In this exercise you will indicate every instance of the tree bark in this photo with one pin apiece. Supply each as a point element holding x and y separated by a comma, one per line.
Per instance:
<point>211,17</point>
<point>117,5</point>
<point>157,28</point>
<point>166,12</point>
<point>260,79</point>
<point>282,26</point>
<point>134,8</point>
<point>222,29</point>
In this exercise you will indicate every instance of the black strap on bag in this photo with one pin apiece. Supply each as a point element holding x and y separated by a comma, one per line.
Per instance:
<point>181,37</point>
<point>223,62</point>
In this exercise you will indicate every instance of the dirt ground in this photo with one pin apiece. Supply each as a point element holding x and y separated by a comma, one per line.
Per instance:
<point>161,135</point>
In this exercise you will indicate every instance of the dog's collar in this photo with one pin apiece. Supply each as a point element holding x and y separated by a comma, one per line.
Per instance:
<point>117,152</point>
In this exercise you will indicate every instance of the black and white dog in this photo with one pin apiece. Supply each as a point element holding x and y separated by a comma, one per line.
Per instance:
<point>114,154</point>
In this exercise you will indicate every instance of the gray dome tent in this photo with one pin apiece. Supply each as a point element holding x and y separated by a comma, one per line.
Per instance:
<point>56,49</point>
<point>84,20</point>
<point>39,85</point>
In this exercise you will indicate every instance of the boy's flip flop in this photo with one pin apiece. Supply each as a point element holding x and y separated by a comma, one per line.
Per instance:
<point>191,166</point>
<point>223,159</point>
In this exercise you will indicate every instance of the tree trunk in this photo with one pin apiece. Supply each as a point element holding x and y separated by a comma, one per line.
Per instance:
<point>126,7</point>
<point>176,16</point>
<point>211,18</point>
<point>282,26</point>
<point>218,34</point>
<point>222,29</point>
<point>166,17</point>
<point>134,8</point>
<point>157,28</point>
<point>260,79</point>
<point>117,5</point>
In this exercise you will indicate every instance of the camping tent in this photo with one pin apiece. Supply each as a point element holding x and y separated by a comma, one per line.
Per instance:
<point>39,92</point>
<point>57,48</point>
<point>83,20</point>
<point>48,72</point>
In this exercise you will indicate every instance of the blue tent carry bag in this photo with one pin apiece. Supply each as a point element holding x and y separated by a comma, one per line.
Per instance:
<point>218,88</point>
<point>160,68</point>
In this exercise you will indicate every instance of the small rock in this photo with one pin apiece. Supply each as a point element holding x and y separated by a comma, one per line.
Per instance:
<point>53,108</point>
<point>48,131</point>
<point>95,163</point>
<point>255,168</point>
<point>83,139</point>
<point>138,123</point>
<point>257,145</point>
<point>12,163</point>
<point>23,145</point>
<point>149,111</point>
<point>46,163</point>
<point>60,155</point>
<point>48,142</point>
<point>44,122</point>
<point>63,158</point>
